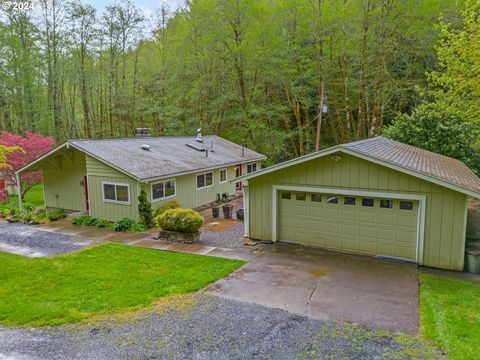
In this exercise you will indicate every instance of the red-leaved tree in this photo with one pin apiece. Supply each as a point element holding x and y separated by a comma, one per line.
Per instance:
<point>32,146</point>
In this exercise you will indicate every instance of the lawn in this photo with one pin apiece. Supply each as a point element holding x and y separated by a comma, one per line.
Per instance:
<point>34,196</point>
<point>450,315</point>
<point>106,278</point>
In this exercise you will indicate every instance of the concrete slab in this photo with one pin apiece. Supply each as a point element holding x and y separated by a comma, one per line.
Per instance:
<point>328,286</point>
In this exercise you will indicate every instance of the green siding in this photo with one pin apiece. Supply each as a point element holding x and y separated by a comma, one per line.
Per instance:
<point>445,209</point>
<point>99,172</point>
<point>63,180</point>
<point>186,189</point>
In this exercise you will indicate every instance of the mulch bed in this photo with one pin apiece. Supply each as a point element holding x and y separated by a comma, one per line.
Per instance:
<point>219,224</point>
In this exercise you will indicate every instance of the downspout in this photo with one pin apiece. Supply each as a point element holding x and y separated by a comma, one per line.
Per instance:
<point>19,190</point>
<point>246,208</point>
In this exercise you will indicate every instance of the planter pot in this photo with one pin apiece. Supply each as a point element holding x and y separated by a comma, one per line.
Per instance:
<point>240,214</point>
<point>215,211</point>
<point>178,237</point>
<point>227,211</point>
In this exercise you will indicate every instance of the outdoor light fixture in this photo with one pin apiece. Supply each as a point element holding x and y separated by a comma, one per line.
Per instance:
<point>336,158</point>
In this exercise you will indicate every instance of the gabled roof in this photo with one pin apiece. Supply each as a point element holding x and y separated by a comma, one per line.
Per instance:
<point>427,165</point>
<point>165,156</point>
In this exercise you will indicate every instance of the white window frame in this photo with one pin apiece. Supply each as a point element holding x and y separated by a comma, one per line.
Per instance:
<point>251,164</point>
<point>206,186</point>
<point>220,176</point>
<point>116,184</point>
<point>164,197</point>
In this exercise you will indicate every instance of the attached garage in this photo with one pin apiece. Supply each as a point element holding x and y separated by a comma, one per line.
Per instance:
<point>375,197</point>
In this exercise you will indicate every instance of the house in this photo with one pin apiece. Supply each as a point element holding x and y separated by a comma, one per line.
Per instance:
<point>376,197</point>
<point>104,177</point>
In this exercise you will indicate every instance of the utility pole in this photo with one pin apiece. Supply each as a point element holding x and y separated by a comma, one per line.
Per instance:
<point>319,121</point>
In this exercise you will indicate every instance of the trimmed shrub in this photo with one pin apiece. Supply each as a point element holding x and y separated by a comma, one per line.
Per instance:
<point>145,209</point>
<point>171,204</point>
<point>124,224</point>
<point>180,220</point>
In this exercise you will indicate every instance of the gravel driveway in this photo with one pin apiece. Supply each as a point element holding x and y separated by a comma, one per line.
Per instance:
<point>27,241</point>
<point>206,327</point>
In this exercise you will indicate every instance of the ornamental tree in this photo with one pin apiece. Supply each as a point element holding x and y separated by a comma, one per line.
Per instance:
<point>27,148</point>
<point>5,151</point>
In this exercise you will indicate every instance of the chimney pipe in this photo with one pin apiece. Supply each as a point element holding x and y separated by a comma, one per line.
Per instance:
<point>206,152</point>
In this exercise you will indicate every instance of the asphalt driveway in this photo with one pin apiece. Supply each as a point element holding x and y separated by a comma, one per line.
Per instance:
<point>327,285</point>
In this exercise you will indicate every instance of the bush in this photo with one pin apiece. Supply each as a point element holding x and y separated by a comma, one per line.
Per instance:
<point>86,220</point>
<point>139,227</point>
<point>171,204</point>
<point>180,220</point>
<point>56,214</point>
<point>145,209</point>
<point>124,224</point>
<point>103,224</point>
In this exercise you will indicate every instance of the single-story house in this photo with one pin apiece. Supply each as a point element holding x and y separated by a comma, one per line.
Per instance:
<point>377,197</point>
<point>105,177</point>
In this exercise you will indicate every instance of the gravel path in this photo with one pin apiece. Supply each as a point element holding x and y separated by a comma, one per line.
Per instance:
<point>229,238</point>
<point>206,327</point>
<point>27,241</point>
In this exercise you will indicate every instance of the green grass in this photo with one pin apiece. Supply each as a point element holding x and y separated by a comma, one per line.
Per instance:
<point>450,315</point>
<point>102,279</point>
<point>34,196</point>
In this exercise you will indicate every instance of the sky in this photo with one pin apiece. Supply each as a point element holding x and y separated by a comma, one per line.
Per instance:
<point>148,7</point>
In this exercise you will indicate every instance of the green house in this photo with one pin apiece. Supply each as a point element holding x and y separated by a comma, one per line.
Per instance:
<point>104,177</point>
<point>376,197</point>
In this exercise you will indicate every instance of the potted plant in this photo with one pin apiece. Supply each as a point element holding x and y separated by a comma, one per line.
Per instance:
<point>227,211</point>
<point>215,211</point>
<point>240,214</point>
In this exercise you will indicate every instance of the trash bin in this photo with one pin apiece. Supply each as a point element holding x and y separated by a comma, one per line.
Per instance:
<point>473,258</point>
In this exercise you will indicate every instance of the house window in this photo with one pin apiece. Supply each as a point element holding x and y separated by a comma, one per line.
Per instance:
<point>368,202</point>
<point>406,205</point>
<point>251,168</point>
<point>301,196</point>
<point>349,200</point>
<point>386,204</point>
<point>332,200</point>
<point>286,196</point>
<point>163,190</point>
<point>316,198</point>
<point>117,193</point>
<point>204,180</point>
<point>223,176</point>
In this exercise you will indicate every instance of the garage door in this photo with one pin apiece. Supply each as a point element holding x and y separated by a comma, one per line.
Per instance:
<point>358,224</point>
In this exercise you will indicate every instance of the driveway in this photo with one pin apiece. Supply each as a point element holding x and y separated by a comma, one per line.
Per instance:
<point>206,327</point>
<point>328,286</point>
<point>28,241</point>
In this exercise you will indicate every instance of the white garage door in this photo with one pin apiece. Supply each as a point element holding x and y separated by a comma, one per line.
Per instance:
<point>358,224</point>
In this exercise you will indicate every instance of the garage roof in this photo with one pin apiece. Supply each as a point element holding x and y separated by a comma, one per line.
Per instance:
<point>424,164</point>
<point>149,158</point>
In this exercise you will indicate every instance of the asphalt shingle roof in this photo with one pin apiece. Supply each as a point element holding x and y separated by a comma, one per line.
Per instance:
<point>416,159</point>
<point>167,155</point>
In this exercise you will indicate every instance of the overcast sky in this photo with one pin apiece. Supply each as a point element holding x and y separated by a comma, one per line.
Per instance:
<point>148,7</point>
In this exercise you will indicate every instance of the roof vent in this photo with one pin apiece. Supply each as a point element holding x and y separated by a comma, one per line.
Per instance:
<point>199,135</point>
<point>145,147</point>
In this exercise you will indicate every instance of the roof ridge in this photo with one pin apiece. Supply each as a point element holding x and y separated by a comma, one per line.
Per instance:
<point>145,138</point>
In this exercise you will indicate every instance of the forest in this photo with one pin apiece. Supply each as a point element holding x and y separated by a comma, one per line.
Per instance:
<point>284,77</point>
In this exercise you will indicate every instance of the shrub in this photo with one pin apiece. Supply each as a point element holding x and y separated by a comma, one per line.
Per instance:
<point>103,224</point>
<point>84,220</point>
<point>56,214</point>
<point>139,227</point>
<point>124,224</point>
<point>171,204</point>
<point>180,220</point>
<point>145,209</point>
